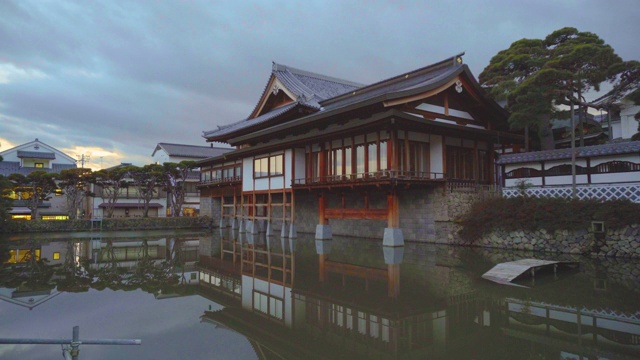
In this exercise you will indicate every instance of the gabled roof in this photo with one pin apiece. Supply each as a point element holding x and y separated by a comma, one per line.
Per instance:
<point>421,83</point>
<point>190,151</point>
<point>36,144</point>
<point>562,154</point>
<point>36,155</point>
<point>306,89</point>
<point>426,77</point>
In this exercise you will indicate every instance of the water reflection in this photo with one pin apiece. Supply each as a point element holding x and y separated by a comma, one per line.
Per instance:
<point>41,269</point>
<point>341,298</point>
<point>354,298</point>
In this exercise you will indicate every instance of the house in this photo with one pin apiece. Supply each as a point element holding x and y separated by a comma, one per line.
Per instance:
<point>330,156</point>
<point>166,152</point>
<point>33,156</point>
<point>607,171</point>
<point>128,203</point>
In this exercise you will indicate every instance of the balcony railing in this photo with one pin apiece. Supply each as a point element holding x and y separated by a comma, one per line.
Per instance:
<point>222,181</point>
<point>377,176</point>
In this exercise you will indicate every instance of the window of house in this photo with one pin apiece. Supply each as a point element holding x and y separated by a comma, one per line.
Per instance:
<point>268,166</point>
<point>56,256</point>
<point>58,192</point>
<point>39,165</point>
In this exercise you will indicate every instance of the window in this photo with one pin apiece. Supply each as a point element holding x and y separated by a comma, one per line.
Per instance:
<point>55,217</point>
<point>56,256</point>
<point>58,192</point>
<point>275,165</point>
<point>39,165</point>
<point>268,166</point>
<point>418,160</point>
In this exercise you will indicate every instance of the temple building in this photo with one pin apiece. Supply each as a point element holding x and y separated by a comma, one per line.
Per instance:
<point>330,156</point>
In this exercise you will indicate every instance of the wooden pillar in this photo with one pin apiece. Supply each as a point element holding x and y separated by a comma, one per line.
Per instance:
<point>322,272</point>
<point>393,280</point>
<point>323,163</point>
<point>392,161</point>
<point>321,208</point>
<point>393,211</point>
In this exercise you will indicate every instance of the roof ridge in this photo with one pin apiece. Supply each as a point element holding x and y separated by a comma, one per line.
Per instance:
<point>450,61</point>
<point>200,146</point>
<point>293,70</point>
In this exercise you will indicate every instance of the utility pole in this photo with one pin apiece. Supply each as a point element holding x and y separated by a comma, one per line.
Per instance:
<point>573,152</point>
<point>82,159</point>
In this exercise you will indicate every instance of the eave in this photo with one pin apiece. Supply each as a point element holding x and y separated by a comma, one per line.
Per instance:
<point>389,119</point>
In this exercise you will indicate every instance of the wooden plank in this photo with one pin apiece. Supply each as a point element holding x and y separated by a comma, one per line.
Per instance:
<point>356,214</point>
<point>505,273</point>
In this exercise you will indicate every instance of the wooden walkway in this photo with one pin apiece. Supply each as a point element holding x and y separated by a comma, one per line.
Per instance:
<point>505,273</point>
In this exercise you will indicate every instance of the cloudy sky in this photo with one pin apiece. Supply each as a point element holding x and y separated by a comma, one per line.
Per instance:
<point>111,79</point>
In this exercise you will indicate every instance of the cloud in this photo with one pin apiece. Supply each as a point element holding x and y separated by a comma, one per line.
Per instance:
<point>123,76</point>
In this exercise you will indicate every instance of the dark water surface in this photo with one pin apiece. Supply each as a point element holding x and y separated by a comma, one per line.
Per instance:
<point>206,296</point>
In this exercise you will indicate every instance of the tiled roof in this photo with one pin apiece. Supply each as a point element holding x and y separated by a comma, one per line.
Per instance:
<point>560,154</point>
<point>191,151</point>
<point>309,88</point>
<point>223,130</point>
<point>36,155</point>
<point>421,79</point>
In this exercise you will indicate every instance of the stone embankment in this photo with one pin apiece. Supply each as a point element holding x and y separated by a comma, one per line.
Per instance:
<point>620,243</point>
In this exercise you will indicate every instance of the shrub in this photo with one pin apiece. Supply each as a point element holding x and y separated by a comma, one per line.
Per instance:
<point>551,214</point>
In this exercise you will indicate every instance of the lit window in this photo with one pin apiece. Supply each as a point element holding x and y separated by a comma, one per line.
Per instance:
<point>58,192</point>
<point>56,256</point>
<point>39,165</point>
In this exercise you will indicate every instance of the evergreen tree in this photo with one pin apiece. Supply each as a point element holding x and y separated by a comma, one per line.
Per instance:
<point>535,76</point>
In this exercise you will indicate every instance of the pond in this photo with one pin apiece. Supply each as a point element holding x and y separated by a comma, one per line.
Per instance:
<point>226,295</point>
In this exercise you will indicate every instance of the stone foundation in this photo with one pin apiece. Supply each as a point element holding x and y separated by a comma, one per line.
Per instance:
<point>623,243</point>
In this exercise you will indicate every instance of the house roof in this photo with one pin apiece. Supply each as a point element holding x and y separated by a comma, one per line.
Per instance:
<point>307,88</point>
<point>131,205</point>
<point>190,151</point>
<point>426,77</point>
<point>36,155</point>
<point>37,144</point>
<point>426,80</point>
<point>561,154</point>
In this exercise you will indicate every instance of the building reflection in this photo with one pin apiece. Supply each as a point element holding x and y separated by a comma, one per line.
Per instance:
<point>39,270</point>
<point>314,299</point>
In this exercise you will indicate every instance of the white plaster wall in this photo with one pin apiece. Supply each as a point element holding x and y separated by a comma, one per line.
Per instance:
<point>615,177</point>
<point>288,169</point>
<point>565,180</point>
<point>247,174</point>
<point>537,181</point>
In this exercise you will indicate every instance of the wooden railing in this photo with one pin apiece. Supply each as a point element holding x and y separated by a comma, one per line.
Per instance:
<point>220,181</point>
<point>371,177</point>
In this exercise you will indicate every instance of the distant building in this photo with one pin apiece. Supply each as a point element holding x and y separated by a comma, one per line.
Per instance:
<point>129,203</point>
<point>33,156</point>
<point>166,152</point>
<point>607,171</point>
